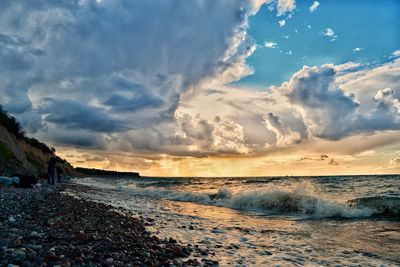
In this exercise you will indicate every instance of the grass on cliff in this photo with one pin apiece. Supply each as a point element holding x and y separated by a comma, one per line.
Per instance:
<point>14,127</point>
<point>5,152</point>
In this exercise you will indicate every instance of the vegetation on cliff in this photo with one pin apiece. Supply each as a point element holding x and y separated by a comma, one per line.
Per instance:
<point>20,154</point>
<point>15,128</point>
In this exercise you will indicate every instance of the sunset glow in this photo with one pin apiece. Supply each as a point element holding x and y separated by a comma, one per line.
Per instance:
<point>208,88</point>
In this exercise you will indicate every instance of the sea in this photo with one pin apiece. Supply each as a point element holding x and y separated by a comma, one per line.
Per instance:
<point>267,221</point>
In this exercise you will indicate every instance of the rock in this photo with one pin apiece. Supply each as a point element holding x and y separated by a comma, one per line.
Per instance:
<point>203,253</point>
<point>79,260</point>
<point>126,243</point>
<point>192,262</point>
<point>207,262</point>
<point>11,219</point>
<point>171,240</point>
<point>19,254</point>
<point>5,242</point>
<point>52,258</point>
<point>82,237</point>
<point>177,251</point>
<point>35,234</point>
<point>34,246</point>
<point>31,254</point>
<point>178,262</point>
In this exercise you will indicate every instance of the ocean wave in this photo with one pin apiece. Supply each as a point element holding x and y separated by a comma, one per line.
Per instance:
<point>382,205</point>
<point>164,183</point>
<point>301,198</point>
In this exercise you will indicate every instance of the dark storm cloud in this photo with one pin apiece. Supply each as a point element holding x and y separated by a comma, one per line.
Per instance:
<point>76,139</point>
<point>114,58</point>
<point>133,97</point>
<point>75,115</point>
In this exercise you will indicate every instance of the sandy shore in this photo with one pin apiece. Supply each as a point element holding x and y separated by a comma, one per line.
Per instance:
<point>42,227</point>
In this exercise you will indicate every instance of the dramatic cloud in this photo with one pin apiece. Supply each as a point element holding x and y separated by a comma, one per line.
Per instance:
<point>317,103</point>
<point>74,115</point>
<point>326,109</point>
<point>217,136</point>
<point>153,79</point>
<point>387,100</point>
<point>115,66</point>
<point>284,135</point>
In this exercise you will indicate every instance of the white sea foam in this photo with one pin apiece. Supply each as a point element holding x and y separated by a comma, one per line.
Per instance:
<point>242,239</point>
<point>302,198</point>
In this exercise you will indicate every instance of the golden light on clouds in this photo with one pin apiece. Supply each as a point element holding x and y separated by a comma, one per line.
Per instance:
<point>372,154</point>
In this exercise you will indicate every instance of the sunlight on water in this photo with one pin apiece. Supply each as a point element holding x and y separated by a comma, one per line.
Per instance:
<point>263,221</point>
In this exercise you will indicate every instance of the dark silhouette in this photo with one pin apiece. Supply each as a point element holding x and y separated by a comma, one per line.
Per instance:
<point>51,168</point>
<point>59,174</point>
<point>98,172</point>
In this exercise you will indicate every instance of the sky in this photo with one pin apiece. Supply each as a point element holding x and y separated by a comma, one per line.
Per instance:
<point>205,87</point>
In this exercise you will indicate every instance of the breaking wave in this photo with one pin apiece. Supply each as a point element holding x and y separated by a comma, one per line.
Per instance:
<point>382,205</point>
<point>302,198</point>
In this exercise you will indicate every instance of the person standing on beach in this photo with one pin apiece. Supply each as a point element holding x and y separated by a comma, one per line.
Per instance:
<point>51,168</point>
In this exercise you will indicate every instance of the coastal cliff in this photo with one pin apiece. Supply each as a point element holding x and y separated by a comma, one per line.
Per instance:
<point>23,155</point>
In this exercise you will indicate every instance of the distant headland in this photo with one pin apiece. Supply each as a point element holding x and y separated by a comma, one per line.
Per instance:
<point>99,172</point>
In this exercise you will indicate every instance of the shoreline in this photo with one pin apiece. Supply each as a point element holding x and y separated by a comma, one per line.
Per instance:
<point>44,227</point>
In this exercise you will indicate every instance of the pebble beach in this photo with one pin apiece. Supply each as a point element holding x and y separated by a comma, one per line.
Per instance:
<point>46,227</point>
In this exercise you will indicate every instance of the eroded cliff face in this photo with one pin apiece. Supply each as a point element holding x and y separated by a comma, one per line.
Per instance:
<point>19,157</point>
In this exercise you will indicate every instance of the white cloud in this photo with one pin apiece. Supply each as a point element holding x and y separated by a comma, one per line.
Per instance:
<point>387,100</point>
<point>396,53</point>
<point>149,83</point>
<point>365,153</point>
<point>357,49</point>
<point>271,44</point>
<point>395,162</point>
<point>284,6</point>
<point>314,6</point>
<point>315,104</point>
<point>211,136</point>
<point>328,32</point>
<point>325,108</point>
<point>282,22</point>
<point>284,135</point>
